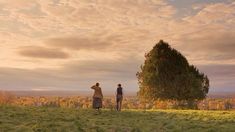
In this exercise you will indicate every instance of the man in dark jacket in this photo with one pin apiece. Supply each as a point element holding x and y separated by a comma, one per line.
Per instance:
<point>119,97</point>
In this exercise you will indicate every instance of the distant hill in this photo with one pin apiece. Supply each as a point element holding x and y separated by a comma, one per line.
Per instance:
<point>66,93</point>
<point>106,93</point>
<point>51,93</point>
<point>221,95</point>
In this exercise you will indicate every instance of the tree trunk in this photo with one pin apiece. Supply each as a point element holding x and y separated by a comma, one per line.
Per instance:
<point>192,104</point>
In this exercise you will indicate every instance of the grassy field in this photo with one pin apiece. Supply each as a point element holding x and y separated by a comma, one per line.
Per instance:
<point>40,119</point>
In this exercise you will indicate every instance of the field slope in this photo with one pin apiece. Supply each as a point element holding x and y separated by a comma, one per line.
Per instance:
<point>27,119</point>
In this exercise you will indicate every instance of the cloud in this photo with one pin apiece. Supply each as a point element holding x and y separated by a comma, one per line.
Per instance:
<point>220,41</point>
<point>18,4</point>
<point>119,68</point>
<point>78,43</point>
<point>107,14</point>
<point>78,75</point>
<point>208,36</point>
<point>58,8</point>
<point>221,76</point>
<point>105,40</point>
<point>208,46</point>
<point>43,53</point>
<point>214,13</point>
<point>25,79</point>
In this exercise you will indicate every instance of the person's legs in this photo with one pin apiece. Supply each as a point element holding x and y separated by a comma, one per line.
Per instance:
<point>98,105</point>
<point>120,105</point>
<point>117,106</point>
<point>117,100</point>
<point>94,103</point>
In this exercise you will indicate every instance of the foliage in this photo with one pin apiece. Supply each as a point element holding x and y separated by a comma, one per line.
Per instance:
<point>166,74</point>
<point>109,102</point>
<point>70,119</point>
<point>6,97</point>
<point>128,103</point>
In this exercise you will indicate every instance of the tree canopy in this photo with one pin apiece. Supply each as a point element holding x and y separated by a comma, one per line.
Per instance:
<point>166,74</point>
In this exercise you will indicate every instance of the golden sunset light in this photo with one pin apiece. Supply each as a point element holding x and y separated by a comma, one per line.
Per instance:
<point>117,65</point>
<point>71,44</point>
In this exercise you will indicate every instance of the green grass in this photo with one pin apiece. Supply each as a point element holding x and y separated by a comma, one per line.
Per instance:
<point>42,119</point>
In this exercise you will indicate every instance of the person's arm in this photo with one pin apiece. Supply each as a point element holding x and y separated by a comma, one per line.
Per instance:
<point>93,87</point>
<point>101,94</point>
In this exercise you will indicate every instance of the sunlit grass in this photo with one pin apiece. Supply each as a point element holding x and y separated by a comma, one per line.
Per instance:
<point>65,119</point>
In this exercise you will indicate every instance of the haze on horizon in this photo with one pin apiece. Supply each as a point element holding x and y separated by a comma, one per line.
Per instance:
<point>72,44</point>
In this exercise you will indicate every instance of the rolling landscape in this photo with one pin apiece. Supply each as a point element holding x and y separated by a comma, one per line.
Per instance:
<point>117,66</point>
<point>66,112</point>
<point>88,93</point>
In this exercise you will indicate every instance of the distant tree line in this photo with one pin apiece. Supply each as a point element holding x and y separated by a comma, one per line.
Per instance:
<point>109,102</point>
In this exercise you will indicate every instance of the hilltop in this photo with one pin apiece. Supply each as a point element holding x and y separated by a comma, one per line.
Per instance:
<point>66,119</point>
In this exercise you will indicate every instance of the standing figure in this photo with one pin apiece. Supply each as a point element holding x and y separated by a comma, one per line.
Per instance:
<point>119,97</point>
<point>97,97</point>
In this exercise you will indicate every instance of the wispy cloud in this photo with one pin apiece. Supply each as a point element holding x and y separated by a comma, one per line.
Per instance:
<point>107,40</point>
<point>41,52</point>
<point>77,43</point>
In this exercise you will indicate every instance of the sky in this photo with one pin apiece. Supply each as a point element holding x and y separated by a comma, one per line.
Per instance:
<point>72,44</point>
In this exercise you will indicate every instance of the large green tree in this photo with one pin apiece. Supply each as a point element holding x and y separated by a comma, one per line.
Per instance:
<point>167,75</point>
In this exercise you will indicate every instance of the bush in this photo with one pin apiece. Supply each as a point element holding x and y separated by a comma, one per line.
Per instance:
<point>6,97</point>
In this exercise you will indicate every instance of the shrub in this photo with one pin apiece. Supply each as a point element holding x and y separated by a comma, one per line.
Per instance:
<point>6,97</point>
